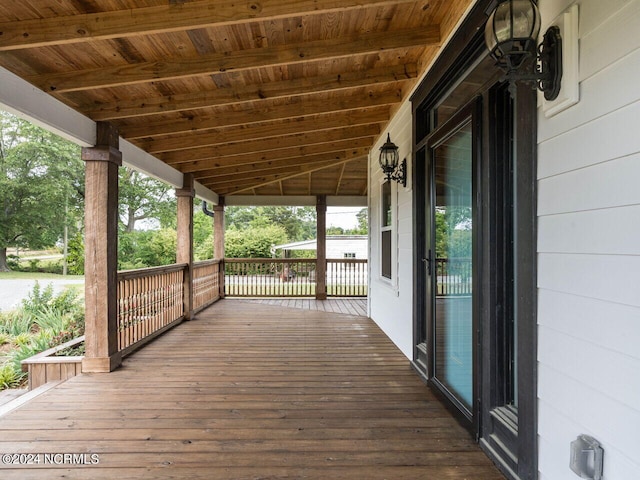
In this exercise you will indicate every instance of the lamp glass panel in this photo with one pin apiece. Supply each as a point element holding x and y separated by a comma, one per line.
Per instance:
<point>513,19</point>
<point>502,22</point>
<point>389,158</point>
<point>489,37</point>
<point>525,19</point>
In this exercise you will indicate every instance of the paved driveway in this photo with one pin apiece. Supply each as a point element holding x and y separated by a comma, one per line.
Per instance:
<point>13,291</point>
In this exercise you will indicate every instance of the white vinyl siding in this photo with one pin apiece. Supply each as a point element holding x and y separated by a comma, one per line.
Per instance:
<point>589,249</point>
<point>391,299</point>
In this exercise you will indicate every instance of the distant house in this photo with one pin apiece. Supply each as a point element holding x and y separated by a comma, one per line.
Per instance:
<point>338,246</point>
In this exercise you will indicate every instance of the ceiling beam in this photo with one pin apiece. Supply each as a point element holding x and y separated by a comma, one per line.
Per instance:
<point>248,177</point>
<point>340,178</point>
<point>263,91</point>
<point>170,68</point>
<point>285,141</point>
<point>293,152</point>
<point>249,168</point>
<point>264,112</point>
<point>227,188</point>
<point>164,18</point>
<point>272,129</point>
<point>295,200</point>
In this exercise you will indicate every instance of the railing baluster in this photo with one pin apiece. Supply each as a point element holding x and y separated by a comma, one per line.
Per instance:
<point>151,299</point>
<point>280,277</point>
<point>205,283</point>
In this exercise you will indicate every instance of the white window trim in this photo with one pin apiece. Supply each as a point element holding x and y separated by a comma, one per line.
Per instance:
<point>393,227</point>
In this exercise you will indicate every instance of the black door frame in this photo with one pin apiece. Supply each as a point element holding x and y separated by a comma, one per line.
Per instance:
<point>508,436</point>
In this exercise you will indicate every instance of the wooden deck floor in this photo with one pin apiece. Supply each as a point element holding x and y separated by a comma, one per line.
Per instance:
<point>249,391</point>
<point>347,306</point>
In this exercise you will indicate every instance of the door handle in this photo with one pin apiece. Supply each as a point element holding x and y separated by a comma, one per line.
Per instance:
<point>427,262</point>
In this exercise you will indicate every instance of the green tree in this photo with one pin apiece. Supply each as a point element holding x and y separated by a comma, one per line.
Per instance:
<point>298,222</point>
<point>453,233</point>
<point>40,173</point>
<point>75,256</point>
<point>147,248</point>
<point>202,233</point>
<point>363,222</point>
<point>202,225</point>
<point>253,242</point>
<point>333,230</point>
<point>144,198</point>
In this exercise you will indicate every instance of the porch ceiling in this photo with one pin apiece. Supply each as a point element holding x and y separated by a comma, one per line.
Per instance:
<point>270,97</point>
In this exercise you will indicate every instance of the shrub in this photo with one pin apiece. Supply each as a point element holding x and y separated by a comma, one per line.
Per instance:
<point>75,255</point>
<point>43,321</point>
<point>16,322</point>
<point>37,299</point>
<point>204,251</point>
<point>41,341</point>
<point>69,302</point>
<point>13,262</point>
<point>253,242</point>
<point>15,361</point>
<point>149,248</point>
<point>22,339</point>
<point>73,330</point>
<point>8,376</point>
<point>53,319</point>
<point>52,266</point>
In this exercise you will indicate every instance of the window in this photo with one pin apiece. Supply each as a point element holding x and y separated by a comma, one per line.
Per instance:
<point>349,255</point>
<point>386,231</point>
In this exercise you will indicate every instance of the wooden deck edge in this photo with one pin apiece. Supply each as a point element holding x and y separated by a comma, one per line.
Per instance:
<point>63,359</point>
<point>22,399</point>
<point>38,357</point>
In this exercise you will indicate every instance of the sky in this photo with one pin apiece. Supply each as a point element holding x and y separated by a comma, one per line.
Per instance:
<point>344,217</point>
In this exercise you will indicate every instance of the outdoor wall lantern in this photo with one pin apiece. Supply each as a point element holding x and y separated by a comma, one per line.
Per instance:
<point>510,35</point>
<point>389,163</point>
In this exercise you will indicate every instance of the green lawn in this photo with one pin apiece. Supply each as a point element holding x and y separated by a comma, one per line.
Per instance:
<point>36,276</point>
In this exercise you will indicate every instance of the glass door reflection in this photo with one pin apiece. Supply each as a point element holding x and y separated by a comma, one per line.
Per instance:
<point>452,216</point>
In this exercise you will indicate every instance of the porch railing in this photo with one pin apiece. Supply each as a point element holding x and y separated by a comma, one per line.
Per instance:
<point>285,277</point>
<point>454,276</point>
<point>150,300</point>
<point>347,277</point>
<point>269,277</point>
<point>206,283</point>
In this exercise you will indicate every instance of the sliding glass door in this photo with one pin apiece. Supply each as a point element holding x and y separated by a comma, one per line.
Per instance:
<point>451,214</point>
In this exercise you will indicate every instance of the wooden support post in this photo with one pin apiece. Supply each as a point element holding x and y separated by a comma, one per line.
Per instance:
<point>101,251</point>
<point>321,235</point>
<point>184,253</point>
<point>218,240</point>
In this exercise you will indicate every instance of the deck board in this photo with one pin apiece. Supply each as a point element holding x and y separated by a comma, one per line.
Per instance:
<point>250,390</point>
<point>348,306</point>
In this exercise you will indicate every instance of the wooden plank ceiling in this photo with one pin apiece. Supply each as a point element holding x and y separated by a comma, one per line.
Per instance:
<point>264,97</point>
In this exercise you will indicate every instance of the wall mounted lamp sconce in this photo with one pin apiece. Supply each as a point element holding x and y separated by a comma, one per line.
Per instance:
<point>389,163</point>
<point>511,36</point>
